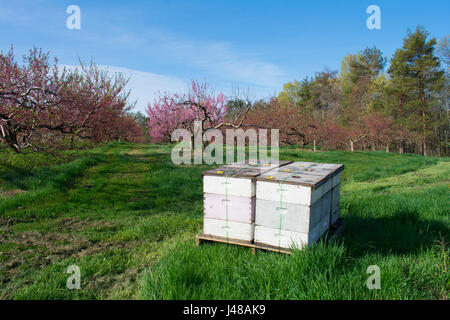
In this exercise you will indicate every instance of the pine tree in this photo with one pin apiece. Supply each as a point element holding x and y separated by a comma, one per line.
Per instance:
<point>416,80</point>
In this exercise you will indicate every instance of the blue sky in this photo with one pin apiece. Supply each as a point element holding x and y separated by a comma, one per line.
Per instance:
<point>256,45</point>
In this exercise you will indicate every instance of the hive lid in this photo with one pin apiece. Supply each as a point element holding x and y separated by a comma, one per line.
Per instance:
<point>246,169</point>
<point>308,174</point>
<point>258,163</point>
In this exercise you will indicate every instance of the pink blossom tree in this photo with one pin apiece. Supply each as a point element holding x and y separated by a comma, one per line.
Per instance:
<point>176,111</point>
<point>41,105</point>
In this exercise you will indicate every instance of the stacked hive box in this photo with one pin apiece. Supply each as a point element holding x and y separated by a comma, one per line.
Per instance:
<point>229,199</point>
<point>296,203</point>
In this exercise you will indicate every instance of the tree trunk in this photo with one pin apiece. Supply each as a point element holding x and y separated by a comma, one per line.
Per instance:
<point>351,146</point>
<point>10,137</point>
<point>424,128</point>
<point>71,142</point>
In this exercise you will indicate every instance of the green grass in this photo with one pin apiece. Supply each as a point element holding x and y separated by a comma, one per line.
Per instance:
<point>128,218</point>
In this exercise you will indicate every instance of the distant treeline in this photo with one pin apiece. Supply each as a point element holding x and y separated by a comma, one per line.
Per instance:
<point>402,107</point>
<point>369,104</point>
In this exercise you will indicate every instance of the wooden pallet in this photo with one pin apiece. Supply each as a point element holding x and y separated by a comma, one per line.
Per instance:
<point>334,231</point>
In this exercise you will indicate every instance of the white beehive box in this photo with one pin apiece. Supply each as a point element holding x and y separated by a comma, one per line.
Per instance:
<point>229,199</point>
<point>296,203</point>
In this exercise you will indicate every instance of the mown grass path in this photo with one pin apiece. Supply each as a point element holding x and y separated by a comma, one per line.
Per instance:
<point>127,217</point>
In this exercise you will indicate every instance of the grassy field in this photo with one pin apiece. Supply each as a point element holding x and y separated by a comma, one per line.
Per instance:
<point>128,217</point>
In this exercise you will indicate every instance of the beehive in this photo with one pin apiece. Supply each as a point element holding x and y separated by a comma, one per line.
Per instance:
<point>229,199</point>
<point>296,203</point>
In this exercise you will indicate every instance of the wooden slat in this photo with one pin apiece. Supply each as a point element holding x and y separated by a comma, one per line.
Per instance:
<point>210,237</point>
<point>334,231</point>
<point>242,243</point>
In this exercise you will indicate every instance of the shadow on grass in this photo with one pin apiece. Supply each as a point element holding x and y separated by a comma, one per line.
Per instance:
<point>12,176</point>
<point>404,233</point>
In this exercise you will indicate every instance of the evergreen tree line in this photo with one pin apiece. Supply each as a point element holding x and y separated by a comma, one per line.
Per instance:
<point>400,106</point>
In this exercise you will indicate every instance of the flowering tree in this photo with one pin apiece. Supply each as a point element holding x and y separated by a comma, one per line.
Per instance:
<point>176,111</point>
<point>165,117</point>
<point>26,93</point>
<point>92,103</point>
<point>40,104</point>
<point>331,135</point>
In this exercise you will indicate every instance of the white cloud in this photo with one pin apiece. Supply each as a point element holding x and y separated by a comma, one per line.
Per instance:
<point>213,58</point>
<point>218,58</point>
